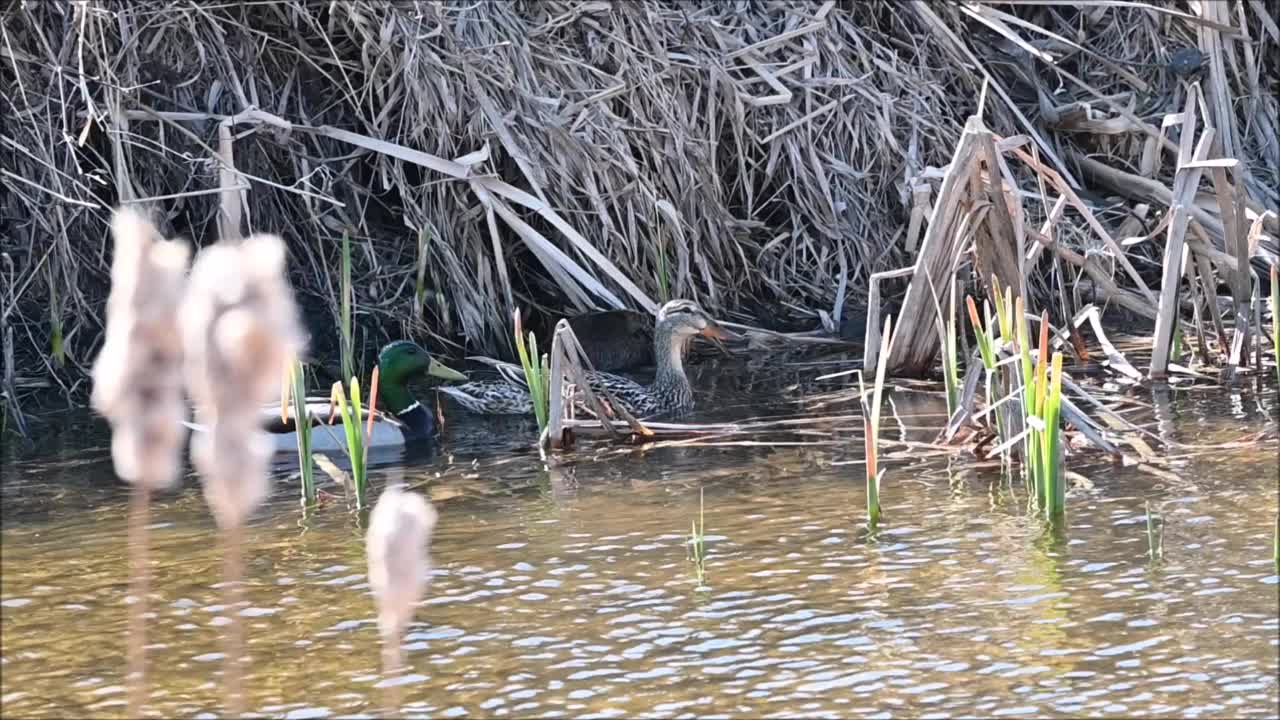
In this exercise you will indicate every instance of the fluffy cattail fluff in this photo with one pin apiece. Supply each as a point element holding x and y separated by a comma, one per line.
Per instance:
<point>137,376</point>
<point>240,325</point>
<point>399,533</point>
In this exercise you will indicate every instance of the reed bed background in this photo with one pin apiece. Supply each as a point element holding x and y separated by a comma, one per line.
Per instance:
<point>758,157</point>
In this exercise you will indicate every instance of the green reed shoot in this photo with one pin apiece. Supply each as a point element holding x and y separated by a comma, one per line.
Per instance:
<point>1004,309</point>
<point>1030,449</point>
<point>989,344</point>
<point>297,383</point>
<point>871,422</point>
<point>697,545</point>
<point>1045,432</point>
<point>537,372</point>
<point>1054,473</point>
<point>982,336</point>
<point>348,344</point>
<point>1155,535</point>
<point>1035,396</point>
<point>352,414</point>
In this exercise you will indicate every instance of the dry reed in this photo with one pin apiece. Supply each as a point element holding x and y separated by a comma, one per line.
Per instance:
<point>570,154</point>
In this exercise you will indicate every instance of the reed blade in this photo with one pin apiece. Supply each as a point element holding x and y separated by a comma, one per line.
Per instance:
<point>1056,490</point>
<point>874,474</point>
<point>535,378</point>
<point>302,425</point>
<point>356,443</point>
<point>348,349</point>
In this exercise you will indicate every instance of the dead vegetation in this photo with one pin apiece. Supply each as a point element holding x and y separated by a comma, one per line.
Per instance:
<point>570,155</point>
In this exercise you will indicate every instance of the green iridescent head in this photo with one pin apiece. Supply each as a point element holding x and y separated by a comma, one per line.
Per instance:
<point>402,361</point>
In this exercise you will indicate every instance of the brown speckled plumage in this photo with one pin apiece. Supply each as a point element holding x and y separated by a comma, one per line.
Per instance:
<point>678,321</point>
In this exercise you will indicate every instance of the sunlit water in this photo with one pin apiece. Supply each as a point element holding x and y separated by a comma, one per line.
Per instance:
<point>568,592</point>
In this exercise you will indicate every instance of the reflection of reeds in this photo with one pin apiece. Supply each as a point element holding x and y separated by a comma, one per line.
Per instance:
<point>697,544</point>
<point>240,328</point>
<point>1155,535</point>
<point>137,386</point>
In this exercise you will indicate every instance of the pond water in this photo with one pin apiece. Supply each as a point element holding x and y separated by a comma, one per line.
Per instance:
<point>567,592</point>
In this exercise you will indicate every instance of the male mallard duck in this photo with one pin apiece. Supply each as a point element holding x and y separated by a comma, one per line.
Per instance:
<point>678,321</point>
<point>399,418</point>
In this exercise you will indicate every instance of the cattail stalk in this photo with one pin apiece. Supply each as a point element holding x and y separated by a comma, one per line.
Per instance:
<point>233,597</point>
<point>137,386</point>
<point>240,328</point>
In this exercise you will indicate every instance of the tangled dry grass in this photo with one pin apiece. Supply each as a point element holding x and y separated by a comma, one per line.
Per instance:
<point>567,155</point>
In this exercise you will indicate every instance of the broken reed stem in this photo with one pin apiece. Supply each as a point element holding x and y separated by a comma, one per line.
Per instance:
<point>139,589</point>
<point>233,596</point>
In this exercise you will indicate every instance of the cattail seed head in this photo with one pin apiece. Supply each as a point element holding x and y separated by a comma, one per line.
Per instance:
<point>137,376</point>
<point>240,326</point>
<point>397,542</point>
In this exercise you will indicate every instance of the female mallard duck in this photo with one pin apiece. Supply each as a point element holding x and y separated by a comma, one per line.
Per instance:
<point>678,321</point>
<point>400,417</point>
